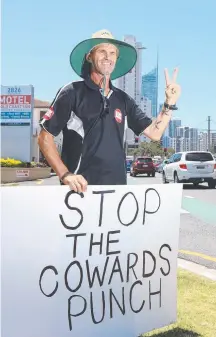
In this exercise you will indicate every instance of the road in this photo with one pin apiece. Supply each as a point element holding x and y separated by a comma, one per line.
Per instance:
<point>197,241</point>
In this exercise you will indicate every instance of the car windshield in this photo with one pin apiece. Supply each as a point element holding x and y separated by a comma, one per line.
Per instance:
<point>145,160</point>
<point>129,161</point>
<point>198,156</point>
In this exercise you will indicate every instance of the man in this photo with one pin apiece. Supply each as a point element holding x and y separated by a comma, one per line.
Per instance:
<point>91,114</point>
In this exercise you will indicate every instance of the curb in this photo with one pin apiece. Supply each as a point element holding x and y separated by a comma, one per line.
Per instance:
<point>197,269</point>
<point>16,183</point>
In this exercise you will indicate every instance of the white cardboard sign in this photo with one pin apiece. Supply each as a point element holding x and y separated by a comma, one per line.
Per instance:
<point>100,265</point>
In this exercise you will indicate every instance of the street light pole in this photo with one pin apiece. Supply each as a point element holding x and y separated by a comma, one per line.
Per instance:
<point>209,133</point>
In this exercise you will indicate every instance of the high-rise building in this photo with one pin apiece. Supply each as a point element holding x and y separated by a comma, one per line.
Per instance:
<point>172,142</point>
<point>213,139</point>
<point>193,143</point>
<point>150,89</point>
<point>180,131</point>
<point>174,123</point>
<point>145,106</point>
<point>203,141</point>
<point>131,82</point>
<point>166,142</point>
<point>182,138</point>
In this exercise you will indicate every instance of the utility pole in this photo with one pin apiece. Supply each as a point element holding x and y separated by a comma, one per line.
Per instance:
<point>209,133</point>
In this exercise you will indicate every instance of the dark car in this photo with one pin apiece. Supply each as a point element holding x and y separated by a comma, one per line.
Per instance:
<point>142,165</point>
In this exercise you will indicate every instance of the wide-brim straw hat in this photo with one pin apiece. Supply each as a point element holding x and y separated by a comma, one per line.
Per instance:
<point>126,60</point>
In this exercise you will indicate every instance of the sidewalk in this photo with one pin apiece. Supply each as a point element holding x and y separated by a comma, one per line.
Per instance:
<point>197,269</point>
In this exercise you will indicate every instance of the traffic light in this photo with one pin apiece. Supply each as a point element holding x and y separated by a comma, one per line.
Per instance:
<point>136,139</point>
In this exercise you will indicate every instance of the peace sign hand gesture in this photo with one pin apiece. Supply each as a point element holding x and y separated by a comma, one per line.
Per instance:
<point>173,90</point>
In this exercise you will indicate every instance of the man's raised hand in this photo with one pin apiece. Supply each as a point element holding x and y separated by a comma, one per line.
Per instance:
<point>173,90</point>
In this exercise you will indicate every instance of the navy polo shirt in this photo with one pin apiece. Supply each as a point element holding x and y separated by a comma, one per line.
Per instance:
<point>93,130</point>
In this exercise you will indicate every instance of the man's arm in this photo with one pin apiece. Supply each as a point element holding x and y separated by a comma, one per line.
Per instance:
<point>49,150</point>
<point>140,123</point>
<point>159,125</point>
<point>52,123</point>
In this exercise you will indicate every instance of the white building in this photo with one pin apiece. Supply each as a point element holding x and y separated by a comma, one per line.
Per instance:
<point>182,135</point>
<point>145,105</point>
<point>40,108</point>
<point>186,146</point>
<point>131,82</point>
<point>172,143</point>
<point>182,144</point>
<point>180,131</point>
<point>203,141</point>
<point>193,136</point>
<point>213,139</point>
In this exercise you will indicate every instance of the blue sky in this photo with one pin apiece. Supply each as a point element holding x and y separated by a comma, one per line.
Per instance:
<point>38,37</point>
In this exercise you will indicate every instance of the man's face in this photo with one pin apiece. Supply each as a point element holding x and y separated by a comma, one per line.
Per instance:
<point>103,58</point>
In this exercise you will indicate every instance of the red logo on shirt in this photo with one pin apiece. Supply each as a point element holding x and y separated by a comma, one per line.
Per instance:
<point>118,115</point>
<point>49,114</point>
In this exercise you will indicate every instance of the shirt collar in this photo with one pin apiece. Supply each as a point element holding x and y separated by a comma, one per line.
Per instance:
<point>88,81</point>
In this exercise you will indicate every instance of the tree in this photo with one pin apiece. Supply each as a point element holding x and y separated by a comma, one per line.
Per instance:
<point>170,152</point>
<point>148,149</point>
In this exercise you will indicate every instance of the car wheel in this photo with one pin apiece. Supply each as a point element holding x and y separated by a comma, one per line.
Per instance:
<point>211,184</point>
<point>196,184</point>
<point>132,173</point>
<point>164,179</point>
<point>176,179</point>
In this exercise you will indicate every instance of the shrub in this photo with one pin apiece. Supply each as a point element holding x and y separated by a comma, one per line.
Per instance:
<point>11,162</point>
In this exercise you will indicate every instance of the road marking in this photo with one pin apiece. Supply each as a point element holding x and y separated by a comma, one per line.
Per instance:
<point>189,197</point>
<point>39,181</point>
<point>203,256</point>
<point>183,211</point>
<point>201,210</point>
